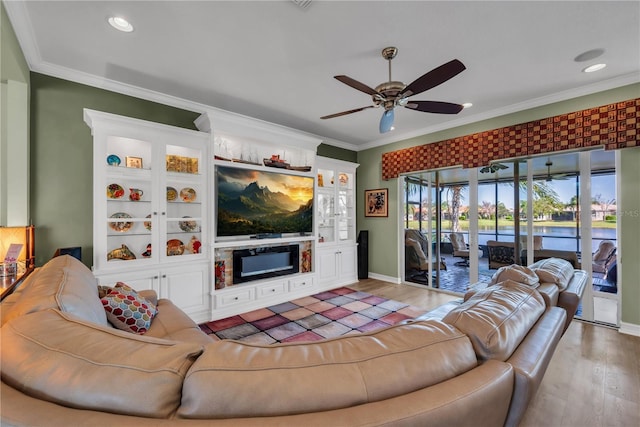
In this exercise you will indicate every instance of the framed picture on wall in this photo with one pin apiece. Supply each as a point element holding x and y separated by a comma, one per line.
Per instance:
<point>134,162</point>
<point>376,202</point>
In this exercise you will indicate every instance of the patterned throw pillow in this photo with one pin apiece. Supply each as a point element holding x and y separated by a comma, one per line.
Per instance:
<point>127,310</point>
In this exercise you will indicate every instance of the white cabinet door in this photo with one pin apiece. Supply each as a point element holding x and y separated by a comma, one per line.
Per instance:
<point>348,264</point>
<point>327,265</point>
<point>187,287</point>
<point>138,280</point>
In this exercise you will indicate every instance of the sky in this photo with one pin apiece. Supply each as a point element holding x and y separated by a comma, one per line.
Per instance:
<point>603,185</point>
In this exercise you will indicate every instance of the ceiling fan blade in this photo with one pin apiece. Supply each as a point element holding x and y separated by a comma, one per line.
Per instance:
<point>386,121</point>
<point>357,85</point>
<point>344,113</point>
<point>433,78</point>
<point>434,107</point>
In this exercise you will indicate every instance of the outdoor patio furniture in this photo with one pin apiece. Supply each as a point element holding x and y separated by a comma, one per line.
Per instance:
<point>502,253</point>
<point>416,246</point>
<point>460,248</point>
<point>603,257</point>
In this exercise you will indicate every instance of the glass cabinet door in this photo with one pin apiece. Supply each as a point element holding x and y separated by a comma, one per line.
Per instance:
<point>129,199</point>
<point>326,215</point>
<point>183,214</point>
<point>336,205</point>
<point>346,207</point>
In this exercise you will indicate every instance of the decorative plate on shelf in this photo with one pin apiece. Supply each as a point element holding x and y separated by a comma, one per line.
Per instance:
<point>188,194</point>
<point>343,178</point>
<point>114,191</point>
<point>188,226</point>
<point>113,160</point>
<point>120,226</point>
<point>175,247</point>
<point>147,224</point>
<point>172,194</point>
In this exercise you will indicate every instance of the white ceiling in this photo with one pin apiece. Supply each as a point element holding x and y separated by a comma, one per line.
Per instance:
<point>275,61</point>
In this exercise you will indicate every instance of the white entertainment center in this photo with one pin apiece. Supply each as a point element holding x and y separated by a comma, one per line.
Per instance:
<point>156,226</point>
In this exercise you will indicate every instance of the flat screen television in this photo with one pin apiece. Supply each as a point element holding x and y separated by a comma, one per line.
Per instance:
<point>253,202</point>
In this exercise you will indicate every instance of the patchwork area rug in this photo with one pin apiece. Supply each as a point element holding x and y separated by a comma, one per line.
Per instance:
<point>317,317</point>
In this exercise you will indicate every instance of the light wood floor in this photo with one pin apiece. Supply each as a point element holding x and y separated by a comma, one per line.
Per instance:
<point>592,380</point>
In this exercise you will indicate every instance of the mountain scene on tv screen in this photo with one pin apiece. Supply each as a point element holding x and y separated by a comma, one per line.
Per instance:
<point>255,202</point>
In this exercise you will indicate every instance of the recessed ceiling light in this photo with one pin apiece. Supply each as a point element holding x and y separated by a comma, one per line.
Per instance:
<point>594,67</point>
<point>120,24</point>
<point>467,105</point>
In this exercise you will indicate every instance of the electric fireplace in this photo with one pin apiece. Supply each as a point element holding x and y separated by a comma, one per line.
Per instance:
<point>262,263</point>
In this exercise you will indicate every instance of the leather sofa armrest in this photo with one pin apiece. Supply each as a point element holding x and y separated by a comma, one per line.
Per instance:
<point>569,299</point>
<point>530,361</point>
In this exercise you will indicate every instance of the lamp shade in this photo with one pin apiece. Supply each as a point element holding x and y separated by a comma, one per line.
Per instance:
<point>19,235</point>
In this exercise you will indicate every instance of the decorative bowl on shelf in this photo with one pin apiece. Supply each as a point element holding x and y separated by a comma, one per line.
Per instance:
<point>188,194</point>
<point>172,194</point>
<point>175,247</point>
<point>188,226</point>
<point>113,160</point>
<point>147,224</point>
<point>121,226</point>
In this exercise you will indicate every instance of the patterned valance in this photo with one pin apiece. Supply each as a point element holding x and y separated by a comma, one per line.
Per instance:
<point>614,126</point>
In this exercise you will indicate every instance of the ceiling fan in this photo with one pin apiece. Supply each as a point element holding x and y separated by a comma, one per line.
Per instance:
<point>550,177</point>
<point>393,93</point>
<point>493,168</point>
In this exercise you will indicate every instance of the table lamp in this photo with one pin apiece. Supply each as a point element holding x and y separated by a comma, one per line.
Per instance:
<point>26,257</point>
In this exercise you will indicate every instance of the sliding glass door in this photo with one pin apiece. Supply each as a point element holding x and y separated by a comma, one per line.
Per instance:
<point>560,205</point>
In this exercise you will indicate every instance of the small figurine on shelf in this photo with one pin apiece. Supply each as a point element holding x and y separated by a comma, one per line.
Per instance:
<point>147,253</point>
<point>276,162</point>
<point>122,252</point>
<point>194,245</point>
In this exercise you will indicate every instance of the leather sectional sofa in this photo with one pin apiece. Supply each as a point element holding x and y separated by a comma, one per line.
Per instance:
<point>64,364</point>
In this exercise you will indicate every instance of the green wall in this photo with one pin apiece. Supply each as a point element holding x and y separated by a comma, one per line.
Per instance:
<point>629,239</point>
<point>62,157</point>
<point>337,153</point>
<point>383,232</point>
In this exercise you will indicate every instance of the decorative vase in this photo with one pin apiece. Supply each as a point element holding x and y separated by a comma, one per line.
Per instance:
<point>220,275</point>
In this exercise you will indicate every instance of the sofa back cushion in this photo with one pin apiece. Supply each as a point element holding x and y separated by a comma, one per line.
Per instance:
<point>517,273</point>
<point>54,356</point>
<point>554,270</point>
<point>232,379</point>
<point>497,318</point>
<point>63,283</point>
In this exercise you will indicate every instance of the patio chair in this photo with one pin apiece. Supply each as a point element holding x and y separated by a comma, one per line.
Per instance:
<point>416,246</point>
<point>603,257</point>
<point>460,249</point>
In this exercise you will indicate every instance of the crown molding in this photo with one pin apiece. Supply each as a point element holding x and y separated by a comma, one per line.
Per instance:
<point>23,28</point>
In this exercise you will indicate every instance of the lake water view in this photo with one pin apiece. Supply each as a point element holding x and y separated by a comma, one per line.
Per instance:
<point>560,238</point>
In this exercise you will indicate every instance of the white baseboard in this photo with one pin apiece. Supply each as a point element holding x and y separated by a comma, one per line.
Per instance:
<point>395,280</point>
<point>629,329</point>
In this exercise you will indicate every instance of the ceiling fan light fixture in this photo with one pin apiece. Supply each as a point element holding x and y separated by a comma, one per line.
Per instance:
<point>386,121</point>
<point>593,68</point>
<point>120,24</point>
